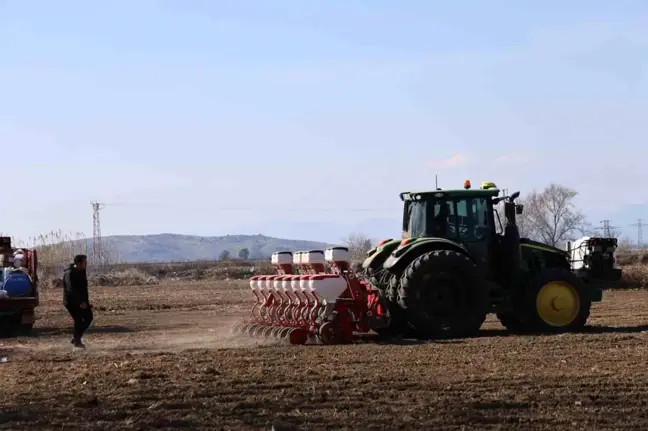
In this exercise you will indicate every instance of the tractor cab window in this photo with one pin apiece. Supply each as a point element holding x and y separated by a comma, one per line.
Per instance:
<point>472,219</point>
<point>444,214</point>
<point>430,218</point>
<point>460,219</point>
<point>417,219</point>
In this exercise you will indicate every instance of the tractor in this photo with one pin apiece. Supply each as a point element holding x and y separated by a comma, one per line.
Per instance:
<point>459,259</point>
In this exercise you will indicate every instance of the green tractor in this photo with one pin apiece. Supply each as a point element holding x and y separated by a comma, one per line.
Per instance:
<point>460,259</point>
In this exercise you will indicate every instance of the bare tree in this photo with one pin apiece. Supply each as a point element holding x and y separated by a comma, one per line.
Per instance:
<point>615,233</point>
<point>523,224</point>
<point>551,216</point>
<point>358,244</point>
<point>500,221</point>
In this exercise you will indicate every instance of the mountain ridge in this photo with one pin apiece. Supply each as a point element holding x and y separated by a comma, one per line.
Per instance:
<point>171,247</point>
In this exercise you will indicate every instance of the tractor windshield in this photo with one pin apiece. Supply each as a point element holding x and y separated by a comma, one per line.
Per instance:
<point>463,219</point>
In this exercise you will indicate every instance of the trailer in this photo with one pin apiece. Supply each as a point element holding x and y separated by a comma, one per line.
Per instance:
<point>19,292</point>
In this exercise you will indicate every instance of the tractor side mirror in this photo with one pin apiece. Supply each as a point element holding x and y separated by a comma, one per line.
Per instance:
<point>519,209</point>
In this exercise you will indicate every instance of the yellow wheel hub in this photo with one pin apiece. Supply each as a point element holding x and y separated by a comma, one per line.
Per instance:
<point>558,303</point>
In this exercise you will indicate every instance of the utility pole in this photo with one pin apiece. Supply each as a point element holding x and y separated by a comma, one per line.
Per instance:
<point>97,248</point>
<point>639,225</point>
<point>607,229</point>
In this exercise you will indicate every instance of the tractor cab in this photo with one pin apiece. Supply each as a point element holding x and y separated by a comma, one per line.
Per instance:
<point>465,216</point>
<point>469,218</point>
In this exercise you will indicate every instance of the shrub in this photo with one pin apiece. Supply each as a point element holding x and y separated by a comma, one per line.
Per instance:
<point>625,259</point>
<point>128,277</point>
<point>634,277</point>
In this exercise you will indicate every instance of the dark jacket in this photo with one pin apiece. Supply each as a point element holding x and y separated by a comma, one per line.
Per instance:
<point>75,286</point>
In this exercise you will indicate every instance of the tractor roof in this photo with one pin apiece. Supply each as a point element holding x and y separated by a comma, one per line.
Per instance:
<point>409,196</point>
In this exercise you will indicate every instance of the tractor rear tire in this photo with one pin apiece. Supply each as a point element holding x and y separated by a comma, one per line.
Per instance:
<point>397,323</point>
<point>512,323</point>
<point>443,295</point>
<point>545,313</point>
<point>387,283</point>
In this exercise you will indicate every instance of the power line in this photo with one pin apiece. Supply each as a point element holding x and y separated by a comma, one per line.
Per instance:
<point>260,208</point>
<point>639,225</point>
<point>607,229</point>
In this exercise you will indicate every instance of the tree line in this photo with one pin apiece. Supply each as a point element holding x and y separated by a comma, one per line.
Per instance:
<point>243,254</point>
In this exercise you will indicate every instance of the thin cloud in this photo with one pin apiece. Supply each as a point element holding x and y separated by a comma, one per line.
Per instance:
<point>507,159</point>
<point>453,161</point>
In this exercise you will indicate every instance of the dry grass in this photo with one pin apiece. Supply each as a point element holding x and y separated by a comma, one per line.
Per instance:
<point>152,273</point>
<point>201,269</point>
<point>632,258</point>
<point>635,269</point>
<point>56,249</point>
<point>634,277</point>
<point>127,277</point>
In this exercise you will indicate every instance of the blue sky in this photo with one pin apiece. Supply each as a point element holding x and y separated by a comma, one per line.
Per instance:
<point>305,119</point>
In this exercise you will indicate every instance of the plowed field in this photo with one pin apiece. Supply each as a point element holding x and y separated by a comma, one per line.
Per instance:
<point>160,357</point>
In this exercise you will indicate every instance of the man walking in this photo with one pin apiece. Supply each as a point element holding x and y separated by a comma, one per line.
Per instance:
<point>75,297</point>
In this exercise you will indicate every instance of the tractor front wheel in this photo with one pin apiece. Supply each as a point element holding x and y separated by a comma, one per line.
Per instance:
<point>558,302</point>
<point>443,295</point>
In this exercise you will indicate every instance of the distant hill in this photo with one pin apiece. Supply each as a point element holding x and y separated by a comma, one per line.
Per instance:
<point>171,247</point>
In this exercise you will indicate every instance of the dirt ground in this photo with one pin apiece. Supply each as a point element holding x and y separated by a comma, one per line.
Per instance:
<point>161,357</point>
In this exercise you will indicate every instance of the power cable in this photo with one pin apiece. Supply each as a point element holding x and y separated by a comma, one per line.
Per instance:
<point>260,208</point>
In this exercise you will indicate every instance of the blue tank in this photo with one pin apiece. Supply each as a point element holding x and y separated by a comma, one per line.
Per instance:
<point>17,284</point>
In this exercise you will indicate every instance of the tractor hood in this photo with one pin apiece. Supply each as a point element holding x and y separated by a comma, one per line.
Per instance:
<point>408,243</point>
<point>414,246</point>
<point>525,242</point>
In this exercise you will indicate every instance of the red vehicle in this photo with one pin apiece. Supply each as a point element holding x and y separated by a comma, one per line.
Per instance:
<point>18,288</point>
